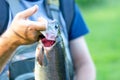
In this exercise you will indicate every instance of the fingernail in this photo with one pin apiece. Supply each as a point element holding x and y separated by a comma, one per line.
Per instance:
<point>36,7</point>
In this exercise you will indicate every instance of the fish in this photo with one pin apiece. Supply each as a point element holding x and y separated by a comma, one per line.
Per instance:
<point>50,57</point>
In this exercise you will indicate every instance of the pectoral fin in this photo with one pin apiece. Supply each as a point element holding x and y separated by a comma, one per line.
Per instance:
<point>41,56</point>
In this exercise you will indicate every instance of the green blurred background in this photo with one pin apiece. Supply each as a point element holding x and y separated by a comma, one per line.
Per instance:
<point>103,19</point>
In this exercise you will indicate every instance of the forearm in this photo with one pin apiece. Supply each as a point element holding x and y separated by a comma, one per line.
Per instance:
<point>86,72</point>
<point>7,46</point>
<point>83,63</point>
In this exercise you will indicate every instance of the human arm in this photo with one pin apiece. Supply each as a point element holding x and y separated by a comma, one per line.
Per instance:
<point>84,66</point>
<point>22,31</point>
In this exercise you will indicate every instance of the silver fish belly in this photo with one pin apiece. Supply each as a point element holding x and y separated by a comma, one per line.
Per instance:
<point>50,63</point>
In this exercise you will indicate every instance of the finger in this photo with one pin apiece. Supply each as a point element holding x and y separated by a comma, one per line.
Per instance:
<point>28,12</point>
<point>41,19</point>
<point>40,26</point>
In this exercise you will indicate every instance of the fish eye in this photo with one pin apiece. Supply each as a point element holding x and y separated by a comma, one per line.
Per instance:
<point>56,26</point>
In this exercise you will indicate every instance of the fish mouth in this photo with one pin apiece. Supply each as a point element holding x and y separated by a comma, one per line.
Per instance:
<point>46,42</point>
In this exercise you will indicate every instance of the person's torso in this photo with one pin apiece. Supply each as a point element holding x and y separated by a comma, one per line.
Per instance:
<point>28,51</point>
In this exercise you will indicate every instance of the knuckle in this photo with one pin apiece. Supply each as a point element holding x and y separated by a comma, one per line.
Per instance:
<point>29,25</point>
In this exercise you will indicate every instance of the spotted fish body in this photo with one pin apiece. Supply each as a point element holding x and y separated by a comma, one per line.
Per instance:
<point>50,63</point>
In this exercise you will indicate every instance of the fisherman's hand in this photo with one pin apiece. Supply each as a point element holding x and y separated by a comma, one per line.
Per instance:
<point>24,30</point>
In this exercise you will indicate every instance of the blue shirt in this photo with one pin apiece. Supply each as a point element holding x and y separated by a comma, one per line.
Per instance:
<point>78,27</point>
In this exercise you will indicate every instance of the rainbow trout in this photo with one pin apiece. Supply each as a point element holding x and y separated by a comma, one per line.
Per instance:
<point>52,61</point>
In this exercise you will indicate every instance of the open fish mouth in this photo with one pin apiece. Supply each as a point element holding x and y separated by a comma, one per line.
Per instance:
<point>47,43</point>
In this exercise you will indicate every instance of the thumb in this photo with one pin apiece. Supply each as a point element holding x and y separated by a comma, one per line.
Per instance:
<point>28,12</point>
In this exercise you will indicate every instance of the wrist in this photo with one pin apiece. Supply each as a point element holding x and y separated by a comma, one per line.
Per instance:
<point>10,38</point>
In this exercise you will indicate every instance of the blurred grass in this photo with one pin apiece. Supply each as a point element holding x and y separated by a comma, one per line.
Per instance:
<point>103,40</point>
